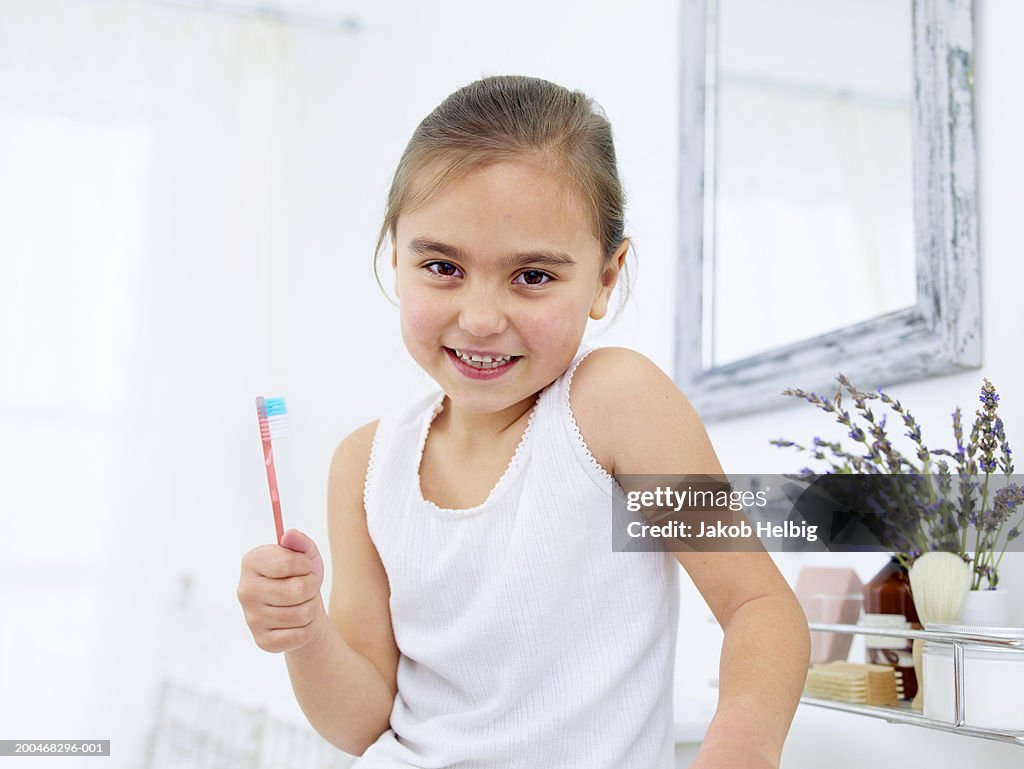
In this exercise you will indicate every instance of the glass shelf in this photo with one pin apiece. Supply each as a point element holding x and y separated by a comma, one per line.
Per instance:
<point>904,714</point>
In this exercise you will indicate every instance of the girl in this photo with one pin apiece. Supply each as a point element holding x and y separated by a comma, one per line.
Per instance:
<point>479,616</point>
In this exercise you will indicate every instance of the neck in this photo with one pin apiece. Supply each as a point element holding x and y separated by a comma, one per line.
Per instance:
<point>470,428</point>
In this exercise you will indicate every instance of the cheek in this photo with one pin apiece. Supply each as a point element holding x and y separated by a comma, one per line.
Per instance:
<point>556,325</point>
<point>418,314</point>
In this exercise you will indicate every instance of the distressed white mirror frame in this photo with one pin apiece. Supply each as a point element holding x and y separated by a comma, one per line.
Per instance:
<point>942,332</point>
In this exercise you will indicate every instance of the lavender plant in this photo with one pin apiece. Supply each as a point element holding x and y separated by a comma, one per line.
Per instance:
<point>935,504</point>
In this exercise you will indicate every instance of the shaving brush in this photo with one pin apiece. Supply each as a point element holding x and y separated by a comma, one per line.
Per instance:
<point>939,583</point>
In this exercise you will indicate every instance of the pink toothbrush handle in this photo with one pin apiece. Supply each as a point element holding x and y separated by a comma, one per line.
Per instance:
<point>268,459</point>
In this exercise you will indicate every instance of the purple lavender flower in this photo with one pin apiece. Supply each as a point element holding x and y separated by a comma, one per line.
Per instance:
<point>934,513</point>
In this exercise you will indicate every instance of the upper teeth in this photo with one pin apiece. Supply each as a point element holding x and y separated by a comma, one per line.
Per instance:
<point>483,358</point>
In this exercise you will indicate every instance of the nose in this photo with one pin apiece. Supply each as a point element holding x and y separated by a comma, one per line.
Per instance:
<point>482,312</point>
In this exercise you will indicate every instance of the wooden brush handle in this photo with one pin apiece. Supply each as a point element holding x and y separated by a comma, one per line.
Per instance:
<point>918,703</point>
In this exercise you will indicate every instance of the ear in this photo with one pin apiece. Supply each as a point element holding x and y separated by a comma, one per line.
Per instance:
<point>609,277</point>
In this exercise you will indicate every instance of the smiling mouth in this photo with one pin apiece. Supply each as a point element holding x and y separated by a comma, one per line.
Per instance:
<point>492,360</point>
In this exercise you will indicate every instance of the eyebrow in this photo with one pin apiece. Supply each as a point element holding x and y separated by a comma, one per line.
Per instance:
<point>425,246</point>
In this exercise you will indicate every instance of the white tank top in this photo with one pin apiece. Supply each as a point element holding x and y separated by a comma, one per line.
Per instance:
<point>525,640</point>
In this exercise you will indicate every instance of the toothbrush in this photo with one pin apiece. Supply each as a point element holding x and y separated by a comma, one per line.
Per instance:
<point>273,424</point>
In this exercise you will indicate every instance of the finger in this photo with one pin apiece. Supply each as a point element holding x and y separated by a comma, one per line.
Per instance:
<point>292,591</point>
<point>278,562</point>
<point>286,617</point>
<point>284,640</point>
<point>294,539</point>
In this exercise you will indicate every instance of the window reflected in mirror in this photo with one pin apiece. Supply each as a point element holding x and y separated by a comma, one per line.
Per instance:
<point>809,138</point>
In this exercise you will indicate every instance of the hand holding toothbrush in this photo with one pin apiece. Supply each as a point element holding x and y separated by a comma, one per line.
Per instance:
<point>279,590</point>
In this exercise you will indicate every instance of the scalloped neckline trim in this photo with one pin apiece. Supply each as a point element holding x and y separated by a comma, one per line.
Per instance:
<point>511,469</point>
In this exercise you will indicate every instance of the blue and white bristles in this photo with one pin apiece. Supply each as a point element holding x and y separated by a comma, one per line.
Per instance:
<point>273,417</point>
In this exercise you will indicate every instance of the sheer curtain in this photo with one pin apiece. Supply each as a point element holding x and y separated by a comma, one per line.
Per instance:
<point>142,196</point>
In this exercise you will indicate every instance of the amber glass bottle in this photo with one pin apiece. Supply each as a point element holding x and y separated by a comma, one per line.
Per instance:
<point>888,593</point>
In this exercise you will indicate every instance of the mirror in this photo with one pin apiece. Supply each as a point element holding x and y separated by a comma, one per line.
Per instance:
<point>827,189</point>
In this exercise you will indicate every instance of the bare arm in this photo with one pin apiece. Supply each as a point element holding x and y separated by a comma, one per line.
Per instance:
<point>343,666</point>
<point>648,427</point>
<point>345,680</point>
<point>343,694</point>
<point>762,672</point>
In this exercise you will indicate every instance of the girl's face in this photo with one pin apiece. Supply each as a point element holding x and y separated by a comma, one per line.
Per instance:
<point>502,262</point>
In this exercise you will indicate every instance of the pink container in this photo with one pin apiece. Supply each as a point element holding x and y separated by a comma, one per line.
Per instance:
<point>831,595</point>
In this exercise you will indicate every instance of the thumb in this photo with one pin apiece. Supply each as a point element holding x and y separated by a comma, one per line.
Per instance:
<point>295,540</point>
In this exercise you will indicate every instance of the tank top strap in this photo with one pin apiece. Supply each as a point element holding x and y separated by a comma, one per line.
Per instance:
<point>394,452</point>
<point>562,418</point>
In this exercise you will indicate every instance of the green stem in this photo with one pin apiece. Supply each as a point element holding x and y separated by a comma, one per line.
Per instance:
<point>931,488</point>
<point>995,569</point>
<point>979,553</point>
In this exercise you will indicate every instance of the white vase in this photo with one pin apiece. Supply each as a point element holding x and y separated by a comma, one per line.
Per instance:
<point>990,608</point>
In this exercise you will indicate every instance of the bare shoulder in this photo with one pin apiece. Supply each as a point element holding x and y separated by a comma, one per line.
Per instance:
<point>631,412</point>
<point>355,448</point>
<point>635,419</point>
<point>634,414</point>
<point>346,479</point>
<point>347,476</point>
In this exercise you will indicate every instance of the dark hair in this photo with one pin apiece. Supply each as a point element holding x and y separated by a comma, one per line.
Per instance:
<point>504,117</point>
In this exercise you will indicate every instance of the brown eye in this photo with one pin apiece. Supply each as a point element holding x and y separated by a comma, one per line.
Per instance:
<point>535,277</point>
<point>445,269</point>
